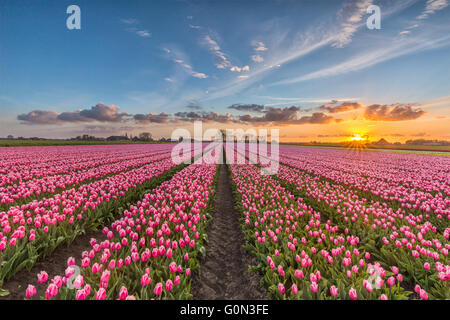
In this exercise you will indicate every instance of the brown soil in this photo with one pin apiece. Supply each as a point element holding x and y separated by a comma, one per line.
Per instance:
<point>224,271</point>
<point>54,264</point>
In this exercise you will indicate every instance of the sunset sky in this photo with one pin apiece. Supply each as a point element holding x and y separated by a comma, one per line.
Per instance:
<point>310,68</point>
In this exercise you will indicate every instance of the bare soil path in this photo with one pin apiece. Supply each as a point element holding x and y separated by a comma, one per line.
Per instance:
<point>224,271</point>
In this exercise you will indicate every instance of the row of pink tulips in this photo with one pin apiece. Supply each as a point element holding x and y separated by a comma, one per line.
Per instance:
<point>150,251</point>
<point>34,229</point>
<point>334,196</point>
<point>51,184</point>
<point>303,258</point>
<point>22,164</point>
<point>390,176</point>
<point>395,237</point>
<point>410,170</point>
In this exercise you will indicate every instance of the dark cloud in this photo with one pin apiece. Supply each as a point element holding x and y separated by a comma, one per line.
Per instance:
<point>39,117</point>
<point>204,116</point>
<point>73,117</point>
<point>151,118</point>
<point>317,118</point>
<point>111,114</point>
<point>340,135</point>
<point>190,115</point>
<point>193,106</point>
<point>104,113</point>
<point>397,112</point>
<point>272,114</point>
<point>288,115</point>
<point>345,106</point>
<point>247,107</point>
<point>100,112</point>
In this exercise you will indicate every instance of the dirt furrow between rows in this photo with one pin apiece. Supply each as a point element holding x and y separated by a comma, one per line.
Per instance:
<point>224,270</point>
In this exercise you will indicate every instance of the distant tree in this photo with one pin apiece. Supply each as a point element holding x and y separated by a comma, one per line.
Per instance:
<point>10,137</point>
<point>86,137</point>
<point>145,136</point>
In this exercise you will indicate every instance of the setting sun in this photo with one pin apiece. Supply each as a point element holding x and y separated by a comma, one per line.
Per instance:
<point>357,142</point>
<point>356,137</point>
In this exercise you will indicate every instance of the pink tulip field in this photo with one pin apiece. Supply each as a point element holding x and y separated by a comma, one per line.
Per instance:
<point>330,224</point>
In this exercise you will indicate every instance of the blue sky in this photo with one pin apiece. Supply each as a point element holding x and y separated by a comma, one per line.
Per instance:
<point>153,57</point>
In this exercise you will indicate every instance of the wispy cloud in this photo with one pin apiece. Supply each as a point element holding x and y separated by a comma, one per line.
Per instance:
<point>129,21</point>
<point>351,15</point>
<point>239,69</point>
<point>440,102</point>
<point>259,46</point>
<point>199,75</point>
<point>372,57</point>
<point>431,7</point>
<point>179,58</point>
<point>312,100</point>
<point>134,29</point>
<point>143,33</point>
<point>242,83</point>
<point>190,70</point>
<point>257,58</point>
<point>288,46</point>
<point>221,60</point>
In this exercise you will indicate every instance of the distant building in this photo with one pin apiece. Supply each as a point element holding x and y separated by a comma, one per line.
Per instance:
<point>437,143</point>
<point>424,142</point>
<point>10,137</point>
<point>381,141</point>
<point>118,138</point>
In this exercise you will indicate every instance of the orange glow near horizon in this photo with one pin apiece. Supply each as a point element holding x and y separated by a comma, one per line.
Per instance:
<point>357,142</point>
<point>356,137</point>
